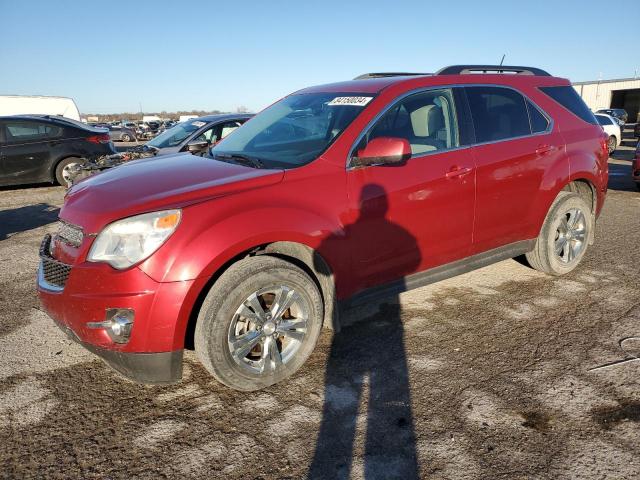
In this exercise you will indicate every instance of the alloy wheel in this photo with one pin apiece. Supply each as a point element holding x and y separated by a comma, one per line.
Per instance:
<point>570,236</point>
<point>268,329</point>
<point>67,171</point>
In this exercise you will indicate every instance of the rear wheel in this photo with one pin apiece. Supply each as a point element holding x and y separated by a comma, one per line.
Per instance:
<point>126,137</point>
<point>259,323</point>
<point>612,144</point>
<point>64,170</point>
<point>564,237</point>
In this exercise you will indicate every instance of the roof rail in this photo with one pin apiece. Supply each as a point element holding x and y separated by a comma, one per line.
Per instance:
<point>466,69</point>
<point>388,74</point>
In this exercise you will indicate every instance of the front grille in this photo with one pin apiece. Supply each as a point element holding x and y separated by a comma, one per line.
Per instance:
<point>54,272</point>
<point>70,234</point>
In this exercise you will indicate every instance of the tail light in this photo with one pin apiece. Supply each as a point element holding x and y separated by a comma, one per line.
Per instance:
<point>604,148</point>
<point>102,138</point>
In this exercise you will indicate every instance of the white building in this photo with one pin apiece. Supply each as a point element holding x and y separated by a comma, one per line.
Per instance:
<point>620,93</point>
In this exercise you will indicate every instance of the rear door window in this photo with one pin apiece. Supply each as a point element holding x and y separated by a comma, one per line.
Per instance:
<point>498,113</point>
<point>569,99</point>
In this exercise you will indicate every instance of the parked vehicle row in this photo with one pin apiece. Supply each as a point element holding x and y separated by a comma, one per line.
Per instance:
<point>195,137</point>
<point>331,197</point>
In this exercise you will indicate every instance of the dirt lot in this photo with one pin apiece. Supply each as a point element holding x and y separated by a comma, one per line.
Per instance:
<point>486,376</point>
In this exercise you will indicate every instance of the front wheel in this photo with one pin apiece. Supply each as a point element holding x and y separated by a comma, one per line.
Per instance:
<point>259,323</point>
<point>125,138</point>
<point>612,144</point>
<point>564,237</point>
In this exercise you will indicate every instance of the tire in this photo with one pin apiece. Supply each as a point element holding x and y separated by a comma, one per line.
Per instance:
<point>125,138</point>
<point>612,144</point>
<point>566,208</point>
<point>228,314</point>
<point>61,172</point>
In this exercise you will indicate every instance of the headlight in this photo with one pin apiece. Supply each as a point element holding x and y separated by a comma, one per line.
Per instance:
<point>130,240</point>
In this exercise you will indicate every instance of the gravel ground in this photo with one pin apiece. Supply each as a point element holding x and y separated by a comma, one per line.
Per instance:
<point>487,375</point>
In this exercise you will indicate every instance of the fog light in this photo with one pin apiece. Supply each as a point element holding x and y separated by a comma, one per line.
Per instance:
<point>120,321</point>
<point>118,324</point>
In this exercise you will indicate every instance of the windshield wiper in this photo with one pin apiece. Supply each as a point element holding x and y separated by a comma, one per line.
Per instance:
<point>243,159</point>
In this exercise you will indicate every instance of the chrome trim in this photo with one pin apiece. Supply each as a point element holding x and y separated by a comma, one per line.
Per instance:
<point>43,284</point>
<point>461,147</point>
<point>65,227</point>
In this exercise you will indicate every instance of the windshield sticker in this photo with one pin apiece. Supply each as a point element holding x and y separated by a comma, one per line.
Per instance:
<point>355,101</point>
<point>198,124</point>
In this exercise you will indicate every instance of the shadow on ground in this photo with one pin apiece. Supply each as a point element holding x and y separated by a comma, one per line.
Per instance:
<point>21,219</point>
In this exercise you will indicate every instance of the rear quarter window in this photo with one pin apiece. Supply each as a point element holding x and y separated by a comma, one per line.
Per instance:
<point>539,123</point>
<point>569,99</point>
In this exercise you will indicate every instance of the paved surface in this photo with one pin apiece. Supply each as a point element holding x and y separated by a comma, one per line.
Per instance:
<point>486,375</point>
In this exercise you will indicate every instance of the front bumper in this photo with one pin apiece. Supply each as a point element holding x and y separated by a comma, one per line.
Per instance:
<point>148,368</point>
<point>153,353</point>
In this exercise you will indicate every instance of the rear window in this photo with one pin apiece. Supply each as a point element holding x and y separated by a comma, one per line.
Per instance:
<point>569,99</point>
<point>602,120</point>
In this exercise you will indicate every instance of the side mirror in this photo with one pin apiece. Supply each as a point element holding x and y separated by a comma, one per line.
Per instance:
<point>197,146</point>
<point>391,151</point>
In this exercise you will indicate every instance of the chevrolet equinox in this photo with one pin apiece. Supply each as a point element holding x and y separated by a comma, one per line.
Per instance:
<point>335,195</point>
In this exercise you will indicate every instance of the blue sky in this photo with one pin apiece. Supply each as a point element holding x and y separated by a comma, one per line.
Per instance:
<point>169,55</point>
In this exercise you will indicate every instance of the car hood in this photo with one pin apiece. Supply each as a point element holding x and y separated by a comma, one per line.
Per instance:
<point>156,183</point>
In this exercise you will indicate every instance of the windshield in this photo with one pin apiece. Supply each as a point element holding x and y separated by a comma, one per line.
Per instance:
<point>176,135</point>
<point>294,131</point>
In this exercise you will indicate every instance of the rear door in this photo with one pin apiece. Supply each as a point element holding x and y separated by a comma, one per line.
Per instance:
<point>514,146</point>
<point>26,152</point>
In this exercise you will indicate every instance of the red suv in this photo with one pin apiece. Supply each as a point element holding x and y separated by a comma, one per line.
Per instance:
<point>332,196</point>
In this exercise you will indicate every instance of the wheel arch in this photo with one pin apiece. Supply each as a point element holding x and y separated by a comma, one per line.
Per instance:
<point>299,254</point>
<point>56,162</point>
<point>586,189</point>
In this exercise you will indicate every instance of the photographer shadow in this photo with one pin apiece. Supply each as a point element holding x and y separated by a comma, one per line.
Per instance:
<point>367,379</point>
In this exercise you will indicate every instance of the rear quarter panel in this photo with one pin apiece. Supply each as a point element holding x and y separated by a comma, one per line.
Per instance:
<point>582,155</point>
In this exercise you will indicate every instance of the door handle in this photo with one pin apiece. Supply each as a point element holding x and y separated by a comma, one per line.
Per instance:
<point>543,149</point>
<point>456,172</point>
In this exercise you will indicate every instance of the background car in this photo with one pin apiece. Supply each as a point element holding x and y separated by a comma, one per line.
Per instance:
<point>196,135</point>
<point>612,129</point>
<point>122,134</point>
<point>618,113</point>
<point>36,148</point>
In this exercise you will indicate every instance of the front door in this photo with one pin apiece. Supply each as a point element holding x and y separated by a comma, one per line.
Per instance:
<point>419,215</point>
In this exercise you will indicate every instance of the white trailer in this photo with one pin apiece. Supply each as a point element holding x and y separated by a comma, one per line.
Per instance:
<point>38,105</point>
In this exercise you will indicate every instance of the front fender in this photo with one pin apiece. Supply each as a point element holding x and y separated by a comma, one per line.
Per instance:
<point>206,244</point>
